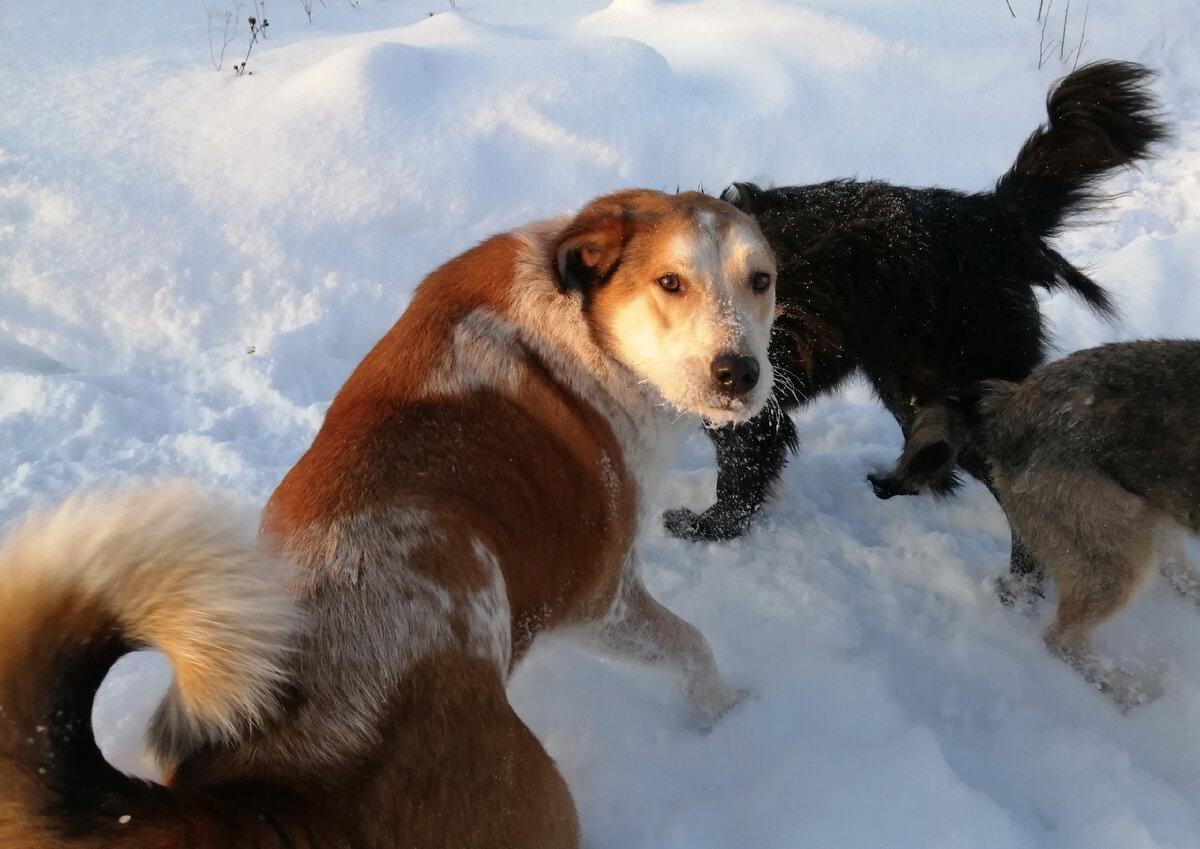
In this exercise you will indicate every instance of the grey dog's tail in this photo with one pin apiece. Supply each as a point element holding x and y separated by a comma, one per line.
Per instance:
<point>984,404</point>
<point>1101,117</point>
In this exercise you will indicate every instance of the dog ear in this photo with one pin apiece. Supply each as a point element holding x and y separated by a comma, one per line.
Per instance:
<point>742,195</point>
<point>589,250</point>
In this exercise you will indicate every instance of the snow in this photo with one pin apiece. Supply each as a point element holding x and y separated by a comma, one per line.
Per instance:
<point>192,263</point>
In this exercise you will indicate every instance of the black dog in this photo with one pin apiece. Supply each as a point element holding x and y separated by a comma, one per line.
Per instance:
<point>923,289</point>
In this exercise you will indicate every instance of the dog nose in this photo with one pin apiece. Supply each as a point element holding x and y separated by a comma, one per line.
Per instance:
<point>735,375</point>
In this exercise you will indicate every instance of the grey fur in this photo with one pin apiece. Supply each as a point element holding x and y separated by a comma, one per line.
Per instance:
<point>1095,459</point>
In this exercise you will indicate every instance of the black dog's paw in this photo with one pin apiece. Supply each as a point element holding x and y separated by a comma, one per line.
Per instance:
<point>680,521</point>
<point>888,486</point>
<point>713,525</point>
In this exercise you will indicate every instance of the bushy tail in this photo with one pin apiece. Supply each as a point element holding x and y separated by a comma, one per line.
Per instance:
<point>1102,117</point>
<point>165,566</point>
<point>991,396</point>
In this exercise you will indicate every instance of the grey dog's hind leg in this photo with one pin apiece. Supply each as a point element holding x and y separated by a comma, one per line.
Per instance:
<point>1099,542</point>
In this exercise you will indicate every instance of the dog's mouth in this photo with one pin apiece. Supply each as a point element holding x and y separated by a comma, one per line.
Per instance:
<point>731,411</point>
<point>705,396</point>
<point>722,408</point>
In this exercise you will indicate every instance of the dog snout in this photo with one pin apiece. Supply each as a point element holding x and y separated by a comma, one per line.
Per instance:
<point>735,375</point>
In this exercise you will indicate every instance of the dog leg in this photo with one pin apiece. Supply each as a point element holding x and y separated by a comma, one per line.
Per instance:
<point>1069,638</point>
<point>1025,584</point>
<point>640,629</point>
<point>923,465</point>
<point>933,438</point>
<point>750,458</point>
<point>1098,541</point>
<point>887,485</point>
<point>1170,546</point>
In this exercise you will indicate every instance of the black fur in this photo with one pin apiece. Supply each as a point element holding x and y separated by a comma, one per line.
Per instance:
<point>924,289</point>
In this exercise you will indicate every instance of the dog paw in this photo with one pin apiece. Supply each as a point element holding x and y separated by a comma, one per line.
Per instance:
<point>713,525</point>
<point>1021,593</point>
<point>711,711</point>
<point>888,486</point>
<point>1126,689</point>
<point>680,522</point>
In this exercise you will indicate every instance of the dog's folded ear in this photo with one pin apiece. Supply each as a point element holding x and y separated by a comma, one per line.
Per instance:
<point>588,251</point>
<point>742,195</point>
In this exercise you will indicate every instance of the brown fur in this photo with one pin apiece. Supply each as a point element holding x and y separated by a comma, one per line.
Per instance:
<point>477,481</point>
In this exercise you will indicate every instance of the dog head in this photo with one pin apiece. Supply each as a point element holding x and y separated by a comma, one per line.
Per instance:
<point>680,289</point>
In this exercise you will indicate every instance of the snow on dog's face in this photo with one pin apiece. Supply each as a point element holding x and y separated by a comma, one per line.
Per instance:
<point>681,290</point>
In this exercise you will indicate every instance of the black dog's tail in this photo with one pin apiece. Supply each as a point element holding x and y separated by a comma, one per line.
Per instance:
<point>1102,117</point>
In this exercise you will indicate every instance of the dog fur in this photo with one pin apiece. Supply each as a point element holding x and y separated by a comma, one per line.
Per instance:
<point>477,481</point>
<point>1095,460</point>
<point>166,566</point>
<point>923,289</point>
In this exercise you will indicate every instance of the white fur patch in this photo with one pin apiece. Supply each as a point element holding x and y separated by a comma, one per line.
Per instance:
<point>489,615</point>
<point>373,617</point>
<point>482,352</point>
<point>342,549</point>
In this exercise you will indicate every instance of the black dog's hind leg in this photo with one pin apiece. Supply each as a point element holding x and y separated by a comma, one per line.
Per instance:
<point>750,458</point>
<point>933,436</point>
<point>889,484</point>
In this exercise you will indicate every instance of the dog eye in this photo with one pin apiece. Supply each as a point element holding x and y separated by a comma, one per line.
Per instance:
<point>760,282</point>
<point>670,283</point>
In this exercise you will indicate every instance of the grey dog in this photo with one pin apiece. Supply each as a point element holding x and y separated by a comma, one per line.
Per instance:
<point>1095,459</point>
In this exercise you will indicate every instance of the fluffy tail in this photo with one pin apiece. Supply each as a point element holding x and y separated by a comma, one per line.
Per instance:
<point>1102,117</point>
<point>165,566</point>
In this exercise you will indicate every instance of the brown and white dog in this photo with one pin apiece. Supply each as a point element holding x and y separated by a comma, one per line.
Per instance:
<point>478,481</point>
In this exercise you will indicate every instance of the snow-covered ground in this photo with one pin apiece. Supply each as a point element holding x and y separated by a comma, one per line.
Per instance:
<point>192,262</point>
